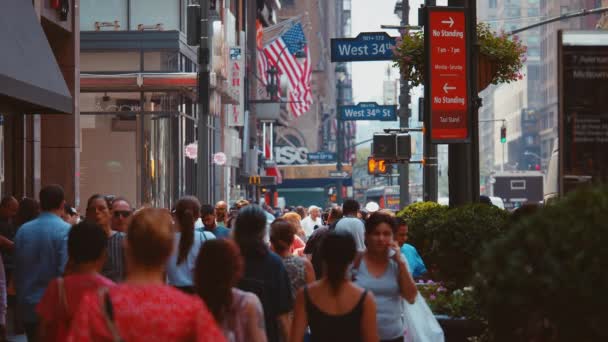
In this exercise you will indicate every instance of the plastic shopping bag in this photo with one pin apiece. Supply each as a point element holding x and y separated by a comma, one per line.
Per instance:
<point>420,323</point>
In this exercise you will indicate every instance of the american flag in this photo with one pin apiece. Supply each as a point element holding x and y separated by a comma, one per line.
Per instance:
<point>281,52</point>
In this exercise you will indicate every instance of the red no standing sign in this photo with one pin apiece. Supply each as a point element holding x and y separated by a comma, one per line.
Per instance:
<point>447,91</point>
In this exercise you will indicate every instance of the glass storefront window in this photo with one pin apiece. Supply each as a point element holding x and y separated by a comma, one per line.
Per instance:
<point>108,155</point>
<point>152,12</point>
<point>108,11</point>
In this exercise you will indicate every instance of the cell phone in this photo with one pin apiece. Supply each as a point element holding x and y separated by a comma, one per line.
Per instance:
<point>391,252</point>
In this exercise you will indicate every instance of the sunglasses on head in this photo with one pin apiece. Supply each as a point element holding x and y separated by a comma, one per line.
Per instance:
<point>123,213</point>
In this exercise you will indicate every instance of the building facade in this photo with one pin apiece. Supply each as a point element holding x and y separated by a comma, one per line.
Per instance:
<point>39,84</point>
<point>139,100</point>
<point>548,110</point>
<point>316,130</point>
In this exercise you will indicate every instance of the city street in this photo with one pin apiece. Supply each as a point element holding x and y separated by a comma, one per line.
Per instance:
<point>245,171</point>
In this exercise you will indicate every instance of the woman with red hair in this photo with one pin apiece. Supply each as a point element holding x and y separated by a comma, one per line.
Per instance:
<point>219,267</point>
<point>144,308</point>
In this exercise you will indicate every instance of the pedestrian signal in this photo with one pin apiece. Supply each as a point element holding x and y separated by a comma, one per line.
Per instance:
<point>377,166</point>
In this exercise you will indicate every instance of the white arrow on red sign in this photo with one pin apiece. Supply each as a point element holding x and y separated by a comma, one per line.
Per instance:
<point>447,88</point>
<point>450,22</point>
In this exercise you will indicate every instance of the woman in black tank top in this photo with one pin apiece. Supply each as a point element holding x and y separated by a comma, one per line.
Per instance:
<point>335,309</point>
<point>326,327</point>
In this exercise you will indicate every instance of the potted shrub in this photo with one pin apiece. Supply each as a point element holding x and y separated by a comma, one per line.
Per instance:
<point>545,280</point>
<point>501,57</point>
<point>449,240</point>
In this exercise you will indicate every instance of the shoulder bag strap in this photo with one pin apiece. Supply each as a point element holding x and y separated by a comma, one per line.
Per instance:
<point>108,313</point>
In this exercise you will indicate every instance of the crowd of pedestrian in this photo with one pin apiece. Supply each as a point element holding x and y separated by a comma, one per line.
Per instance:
<point>202,272</point>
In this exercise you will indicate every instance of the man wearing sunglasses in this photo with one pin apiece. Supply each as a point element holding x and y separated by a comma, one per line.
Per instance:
<point>121,214</point>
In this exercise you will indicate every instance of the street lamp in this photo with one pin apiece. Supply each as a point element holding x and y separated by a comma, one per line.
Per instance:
<point>340,77</point>
<point>399,9</point>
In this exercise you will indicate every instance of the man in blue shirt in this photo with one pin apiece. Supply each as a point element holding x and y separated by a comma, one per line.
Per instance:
<point>409,252</point>
<point>40,255</point>
<point>209,223</point>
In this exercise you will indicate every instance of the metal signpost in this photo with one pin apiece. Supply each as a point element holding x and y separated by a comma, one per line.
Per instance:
<point>367,46</point>
<point>368,111</point>
<point>447,89</point>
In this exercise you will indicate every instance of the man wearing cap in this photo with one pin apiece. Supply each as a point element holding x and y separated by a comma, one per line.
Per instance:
<point>312,221</point>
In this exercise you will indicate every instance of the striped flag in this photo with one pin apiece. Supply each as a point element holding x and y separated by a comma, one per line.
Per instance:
<point>281,52</point>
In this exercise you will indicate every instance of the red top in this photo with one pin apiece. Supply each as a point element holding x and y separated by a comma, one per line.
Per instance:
<point>146,313</point>
<point>56,313</point>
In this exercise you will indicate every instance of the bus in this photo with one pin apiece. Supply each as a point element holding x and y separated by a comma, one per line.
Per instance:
<point>387,197</point>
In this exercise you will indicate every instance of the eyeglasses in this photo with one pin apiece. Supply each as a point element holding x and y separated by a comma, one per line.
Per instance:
<point>123,213</point>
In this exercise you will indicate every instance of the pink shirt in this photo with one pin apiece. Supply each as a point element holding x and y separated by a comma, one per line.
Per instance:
<point>57,314</point>
<point>146,313</point>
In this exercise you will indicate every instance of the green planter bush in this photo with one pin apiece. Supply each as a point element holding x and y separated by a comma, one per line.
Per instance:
<point>546,279</point>
<point>450,239</point>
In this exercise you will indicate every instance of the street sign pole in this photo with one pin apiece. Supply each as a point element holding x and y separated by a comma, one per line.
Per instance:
<point>340,144</point>
<point>404,116</point>
<point>430,167</point>
<point>476,100</point>
<point>463,159</point>
<point>203,155</point>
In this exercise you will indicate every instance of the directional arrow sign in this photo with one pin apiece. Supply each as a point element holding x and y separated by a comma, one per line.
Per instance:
<point>367,46</point>
<point>338,174</point>
<point>446,91</point>
<point>368,111</point>
<point>449,22</point>
<point>447,88</point>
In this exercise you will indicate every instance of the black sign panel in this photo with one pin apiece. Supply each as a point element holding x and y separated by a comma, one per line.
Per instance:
<point>584,117</point>
<point>516,190</point>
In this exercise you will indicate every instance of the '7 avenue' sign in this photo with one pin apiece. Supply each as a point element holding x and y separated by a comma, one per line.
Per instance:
<point>367,46</point>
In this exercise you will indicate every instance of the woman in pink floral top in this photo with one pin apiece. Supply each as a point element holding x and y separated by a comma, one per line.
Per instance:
<point>87,244</point>
<point>144,308</point>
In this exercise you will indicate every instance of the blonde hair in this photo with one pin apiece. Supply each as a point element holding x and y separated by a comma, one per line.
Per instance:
<point>150,237</point>
<point>295,220</point>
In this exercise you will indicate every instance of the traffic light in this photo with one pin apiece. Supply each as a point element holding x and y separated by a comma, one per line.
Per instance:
<point>392,146</point>
<point>377,166</point>
<point>503,134</point>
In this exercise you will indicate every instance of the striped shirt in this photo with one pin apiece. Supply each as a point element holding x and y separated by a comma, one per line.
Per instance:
<point>114,268</point>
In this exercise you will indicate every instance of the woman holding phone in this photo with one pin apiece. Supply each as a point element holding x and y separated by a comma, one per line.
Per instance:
<point>381,270</point>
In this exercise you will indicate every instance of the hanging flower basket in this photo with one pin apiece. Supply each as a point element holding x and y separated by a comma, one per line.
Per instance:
<point>488,68</point>
<point>501,57</point>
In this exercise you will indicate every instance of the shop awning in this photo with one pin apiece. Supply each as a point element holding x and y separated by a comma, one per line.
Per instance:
<point>171,81</point>
<point>138,82</point>
<point>30,79</point>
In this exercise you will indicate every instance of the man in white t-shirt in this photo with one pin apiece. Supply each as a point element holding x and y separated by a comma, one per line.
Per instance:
<point>312,220</point>
<point>351,223</point>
